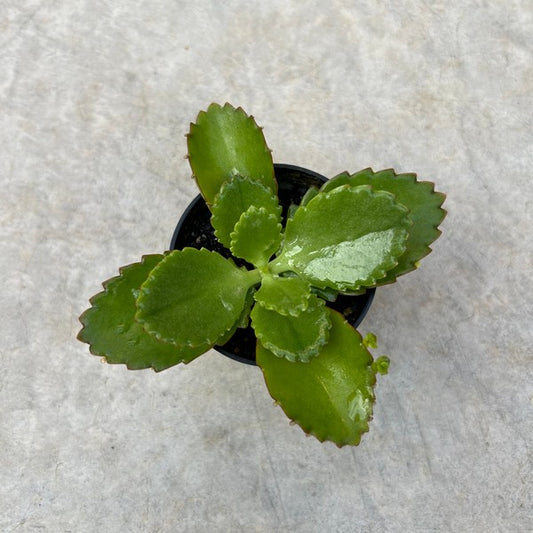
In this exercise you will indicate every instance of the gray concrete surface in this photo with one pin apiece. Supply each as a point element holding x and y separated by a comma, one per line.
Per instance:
<point>95,97</point>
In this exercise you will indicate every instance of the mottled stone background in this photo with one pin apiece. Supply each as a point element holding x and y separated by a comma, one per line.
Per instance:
<point>95,97</point>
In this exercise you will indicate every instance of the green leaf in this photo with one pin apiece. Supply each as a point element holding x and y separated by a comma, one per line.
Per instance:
<point>370,340</point>
<point>381,365</point>
<point>235,197</point>
<point>344,178</point>
<point>244,319</point>
<point>309,195</point>
<point>331,396</point>
<point>193,297</point>
<point>111,331</point>
<point>345,239</point>
<point>226,142</point>
<point>330,295</point>
<point>295,338</point>
<point>418,196</point>
<point>257,236</point>
<point>286,296</point>
<point>291,210</point>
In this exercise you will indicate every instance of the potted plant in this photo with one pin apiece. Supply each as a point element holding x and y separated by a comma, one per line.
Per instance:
<point>276,272</point>
<point>194,230</point>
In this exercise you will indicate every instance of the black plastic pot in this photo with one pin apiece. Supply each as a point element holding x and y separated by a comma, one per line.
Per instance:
<point>194,229</point>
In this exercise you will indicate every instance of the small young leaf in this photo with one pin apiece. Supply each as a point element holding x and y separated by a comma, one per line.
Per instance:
<point>344,178</point>
<point>418,196</point>
<point>370,340</point>
<point>345,239</point>
<point>257,236</point>
<point>234,198</point>
<point>381,365</point>
<point>286,296</point>
<point>111,331</point>
<point>309,195</point>
<point>295,338</point>
<point>225,142</point>
<point>244,319</point>
<point>331,396</point>
<point>193,297</point>
<point>291,210</point>
<point>330,295</point>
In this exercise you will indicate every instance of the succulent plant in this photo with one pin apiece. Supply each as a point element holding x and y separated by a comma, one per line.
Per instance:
<point>357,231</point>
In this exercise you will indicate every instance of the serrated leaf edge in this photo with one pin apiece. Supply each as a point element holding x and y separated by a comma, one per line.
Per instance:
<point>376,274</point>
<point>105,284</point>
<point>94,306</point>
<point>295,310</point>
<point>202,114</point>
<point>414,179</point>
<point>435,227</point>
<point>270,216</point>
<point>161,338</point>
<point>313,350</point>
<point>309,431</point>
<point>273,197</point>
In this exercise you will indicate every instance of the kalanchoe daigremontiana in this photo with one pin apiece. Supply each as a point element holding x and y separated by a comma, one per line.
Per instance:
<point>357,231</point>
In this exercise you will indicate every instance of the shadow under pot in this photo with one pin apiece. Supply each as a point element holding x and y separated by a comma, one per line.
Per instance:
<point>194,230</point>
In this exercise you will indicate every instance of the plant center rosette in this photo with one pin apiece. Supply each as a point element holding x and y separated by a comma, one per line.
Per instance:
<point>194,230</point>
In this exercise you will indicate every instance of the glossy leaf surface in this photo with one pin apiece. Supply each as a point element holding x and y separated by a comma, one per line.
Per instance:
<point>225,142</point>
<point>286,296</point>
<point>235,197</point>
<point>419,197</point>
<point>331,396</point>
<point>346,238</point>
<point>110,328</point>
<point>257,236</point>
<point>193,297</point>
<point>295,338</point>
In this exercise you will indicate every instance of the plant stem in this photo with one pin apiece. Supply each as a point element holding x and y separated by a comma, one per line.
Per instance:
<point>254,277</point>
<point>278,266</point>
